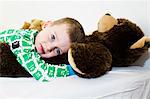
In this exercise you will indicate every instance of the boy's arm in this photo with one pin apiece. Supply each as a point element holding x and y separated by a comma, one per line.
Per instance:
<point>40,70</point>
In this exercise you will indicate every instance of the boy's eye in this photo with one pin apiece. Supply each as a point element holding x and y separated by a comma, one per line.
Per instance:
<point>52,37</point>
<point>58,51</point>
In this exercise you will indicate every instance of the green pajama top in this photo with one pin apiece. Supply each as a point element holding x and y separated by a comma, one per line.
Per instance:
<point>21,43</point>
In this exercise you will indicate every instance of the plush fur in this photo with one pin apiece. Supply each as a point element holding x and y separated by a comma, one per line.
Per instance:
<point>34,24</point>
<point>9,67</point>
<point>119,39</point>
<point>91,58</point>
<point>114,40</point>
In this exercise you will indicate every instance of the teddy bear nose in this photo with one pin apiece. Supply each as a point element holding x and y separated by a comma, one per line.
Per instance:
<point>108,14</point>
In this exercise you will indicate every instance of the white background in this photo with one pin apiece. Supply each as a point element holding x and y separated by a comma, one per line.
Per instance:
<point>14,12</point>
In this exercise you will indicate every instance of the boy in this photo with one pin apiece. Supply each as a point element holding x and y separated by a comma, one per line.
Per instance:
<point>55,39</point>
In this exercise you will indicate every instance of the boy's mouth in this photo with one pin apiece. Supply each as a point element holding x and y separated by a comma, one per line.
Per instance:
<point>42,49</point>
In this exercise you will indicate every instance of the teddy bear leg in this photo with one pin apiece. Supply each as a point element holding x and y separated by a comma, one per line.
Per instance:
<point>140,43</point>
<point>135,54</point>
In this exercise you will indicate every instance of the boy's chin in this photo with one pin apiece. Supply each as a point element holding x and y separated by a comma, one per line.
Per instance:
<point>46,55</point>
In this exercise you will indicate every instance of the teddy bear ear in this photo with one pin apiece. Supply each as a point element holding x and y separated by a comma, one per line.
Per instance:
<point>106,23</point>
<point>26,25</point>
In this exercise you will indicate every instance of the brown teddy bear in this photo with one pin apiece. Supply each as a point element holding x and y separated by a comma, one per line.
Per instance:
<point>117,42</point>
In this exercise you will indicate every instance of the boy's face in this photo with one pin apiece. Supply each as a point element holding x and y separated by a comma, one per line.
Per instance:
<point>53,40</point>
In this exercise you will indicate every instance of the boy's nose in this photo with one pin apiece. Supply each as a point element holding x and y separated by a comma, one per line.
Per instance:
<point>49,47</point>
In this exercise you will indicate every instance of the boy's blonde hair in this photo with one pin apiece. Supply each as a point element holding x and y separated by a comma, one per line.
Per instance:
<point>75,29</point>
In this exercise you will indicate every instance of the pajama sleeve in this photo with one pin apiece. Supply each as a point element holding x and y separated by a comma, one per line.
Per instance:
<point>40,70</point>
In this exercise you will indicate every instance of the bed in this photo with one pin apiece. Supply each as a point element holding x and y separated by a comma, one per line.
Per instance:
<point>131,82</point>
<point>120,83</point>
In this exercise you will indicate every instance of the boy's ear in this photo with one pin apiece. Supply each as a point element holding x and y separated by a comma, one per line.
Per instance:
<point>45,24</point>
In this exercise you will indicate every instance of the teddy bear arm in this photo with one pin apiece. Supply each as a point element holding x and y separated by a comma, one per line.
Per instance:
<point>140,43</point>
<point>9,67</point>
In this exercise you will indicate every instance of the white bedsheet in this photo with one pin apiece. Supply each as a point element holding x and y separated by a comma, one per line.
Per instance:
<point>120,83</point>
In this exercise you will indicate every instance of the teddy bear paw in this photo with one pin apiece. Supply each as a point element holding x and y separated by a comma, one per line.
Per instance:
<point>139,44</point>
